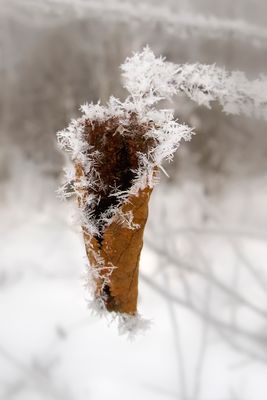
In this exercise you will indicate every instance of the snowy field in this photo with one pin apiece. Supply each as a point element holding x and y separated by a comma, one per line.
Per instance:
<point>203,285</point>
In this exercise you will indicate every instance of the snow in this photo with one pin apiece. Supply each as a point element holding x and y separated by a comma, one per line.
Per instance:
<point>52,347</point>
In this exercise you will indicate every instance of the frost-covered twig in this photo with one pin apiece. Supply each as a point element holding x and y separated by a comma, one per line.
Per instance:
<point>150,79</point>
<point>179,23</point>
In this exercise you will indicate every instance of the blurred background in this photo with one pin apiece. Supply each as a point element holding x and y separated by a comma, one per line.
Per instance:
<point>203,269</point>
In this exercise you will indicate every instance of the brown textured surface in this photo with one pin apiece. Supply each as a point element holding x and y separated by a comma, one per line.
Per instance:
<point>121,247</point>
<point>119,146</point>
<point>117,246</point>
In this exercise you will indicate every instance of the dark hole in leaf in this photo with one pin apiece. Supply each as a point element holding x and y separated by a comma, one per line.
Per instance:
<point>119,146</point>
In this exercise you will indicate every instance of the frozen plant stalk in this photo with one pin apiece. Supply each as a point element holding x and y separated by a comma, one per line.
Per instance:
<point>114,250</point>
<point>117,151</point>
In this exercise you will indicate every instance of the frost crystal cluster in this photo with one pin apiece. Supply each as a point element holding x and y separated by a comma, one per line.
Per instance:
<point>201,83</point>
<point>148,80</point>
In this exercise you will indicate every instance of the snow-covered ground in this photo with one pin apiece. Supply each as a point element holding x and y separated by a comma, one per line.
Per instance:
<point>203,285</point>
